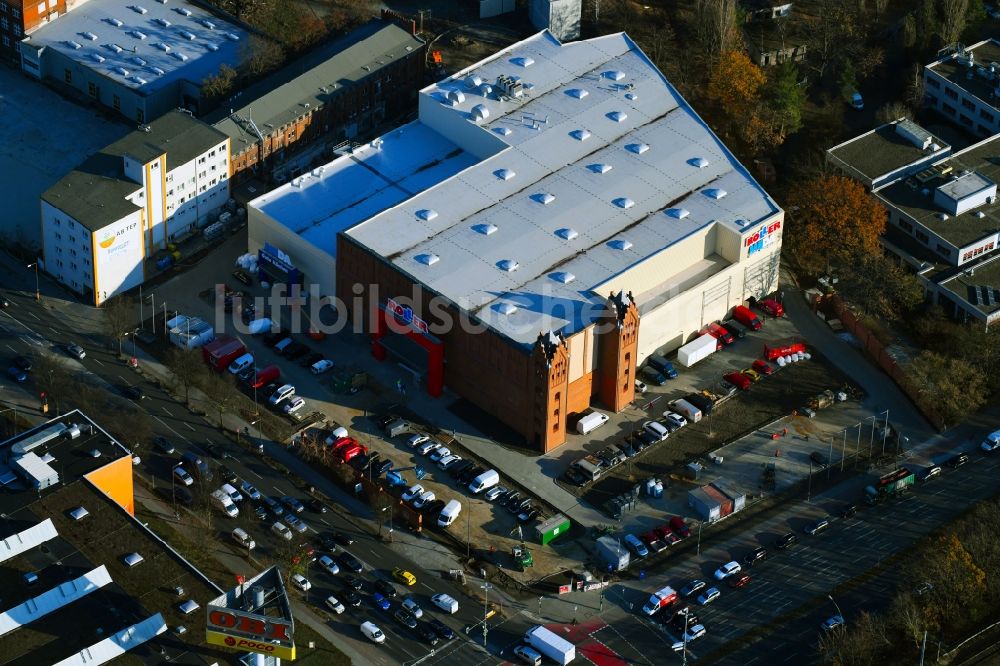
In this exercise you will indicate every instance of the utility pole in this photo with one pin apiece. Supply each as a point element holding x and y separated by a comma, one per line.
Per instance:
<point>829,460</point>
<point>486,607</point>
<point>685,653</point>
<point>699,537</point>
<point>810,486</point>
<point>38,292</point>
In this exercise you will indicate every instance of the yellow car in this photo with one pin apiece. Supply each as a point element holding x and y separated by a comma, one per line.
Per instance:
<point>404,577</point>
<point>751,374</point>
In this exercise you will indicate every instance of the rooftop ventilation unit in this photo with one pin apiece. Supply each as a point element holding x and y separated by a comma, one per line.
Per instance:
<point>567,233</point>
<point>480,112</point>
<point>578,93</point>
<point>138,9</point>
<point>620,244</point>
<point>614,75</point>
<point>73,45</point>
<point>914,133</point>
<point>632,97</point>
<point>163,47</point>
<point>208,24</point>
<point>485,229</point>
<point>427,214</point>
<point>113,47</point>
<point>132,559</point>
<point>563,277</point>
<point>456,97</point>
<point>232,36</point>
<point>580,134</point>
<point>138,80</point>
<point>121,70</point>
<point>544,198</point>
<point>510,86</point>
<point>503,131</point>
<point>623,202</point>
<point>523,61</point>
<point>139,61</point>
<point>89,35</point>
<point>714,193</point>
<point>699,162</point>
<point>507,265</point>
<point>979,214</point>
<point>677,213</point>
<point>157,71</point>
<point>637,148</point>
<point>115,22</point>
<point>428,259</point>
<point>179,56</point>
<point>505,308</point>
<point>187,35</point>
<point>485,90</point>
<point>137,34</point>
<point>472,81</point>
<point>212,47</point>
<point>617,116</point>
<point>504,174</point>
<point>79,513</point>
<point>183,11</point>
<point>97,57</point>
<point>599,168</point>
<point>164,22</point>
<point>942,216</point>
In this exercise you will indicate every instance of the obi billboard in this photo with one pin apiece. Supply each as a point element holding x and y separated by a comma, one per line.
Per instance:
<point>234,628</point>
<point>404,313</point>
<point>764,236</point>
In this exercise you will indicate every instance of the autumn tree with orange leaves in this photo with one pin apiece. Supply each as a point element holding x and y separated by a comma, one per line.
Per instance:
<point>736,90</point>
<point>831,220</point>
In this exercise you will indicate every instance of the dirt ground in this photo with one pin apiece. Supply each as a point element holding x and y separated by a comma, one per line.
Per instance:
<point>771,398</point>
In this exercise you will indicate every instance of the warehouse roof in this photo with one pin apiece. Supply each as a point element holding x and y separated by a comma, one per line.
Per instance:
<point>587,164</point>
<point>94,193</point>
<point>146,44</point>
<point>314,79</point>
<point>916,199</point>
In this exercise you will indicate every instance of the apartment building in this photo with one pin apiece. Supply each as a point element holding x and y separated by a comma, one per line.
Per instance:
<point>155,186</point>
<point>964,86</point>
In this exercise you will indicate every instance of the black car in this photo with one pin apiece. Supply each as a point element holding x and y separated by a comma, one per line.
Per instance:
<point>326,541</point>
<point>469,473</point>
<point>352,598</point>
<point>442,629</point>
<point>387,589</point>
<point>384,420</point>
<point>292,504</point>
<point>575,476</point>
<point>23,362</point>
<point>405,618</point>
<point>213,449</point>
<point>648,438</point>
<point>274,506</point>
<point>428,634</point>
<point>350,562</point>
<point>849,511</point>
<point>518,506</point>
<point>352,583</point>
<point>163,445</point>
<point>275,338</point>
<point>296,350</point>
<point>784,542</point>
<point>755,556</point>
<point>134,392</point>
<point>818,458</point>
<point>381,468</point>
<point>242,276</point>
<point>734,329</point>
<point>227,475</point>
<point>958,460</point>
<point>261,512</point>
<point>315,505</point>
<point>527,515</point>
<point>511,499</point>
<point>433,507</point>
<point>343,539</point>
<point>654,376</point>
<point>680,620</point>
<point>456,470</point>
<point>628,448</point>
<point>315,357</point>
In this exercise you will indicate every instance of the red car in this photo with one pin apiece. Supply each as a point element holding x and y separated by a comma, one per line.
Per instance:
<point>741,580</point>
<point>739,380</point>
<point>762,367</point>
<point>654,542</point>
<point>663,532</point>
<point>679,527</point>
<point>719,333</point>
<point>772,307</point>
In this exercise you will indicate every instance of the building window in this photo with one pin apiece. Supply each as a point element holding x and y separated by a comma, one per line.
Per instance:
<point>92,89</point>
<point>41,7</point>
<point>116,102</point>
<point>984,130</point>
<point>3,22</point>
<point>965,120</point>
<point>201,160</point>
<point>986,115</point>
<point>140,116</point>
<point>967,104</point>
<point>947,108</point>
<point>16,12</point>
<point>943,250</point>
<point>950,92</point>
<point>903,224</point>
<point>933,83</point>
<point>922,237</point>
<point>6,41</point>
<point>555,413</point>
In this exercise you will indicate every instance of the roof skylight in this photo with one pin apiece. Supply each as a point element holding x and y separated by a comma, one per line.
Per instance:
<point>455,97</point>
<point>637,148</point>
<point>678,213</point>
<point>567,233</point>
<point>699,162</point>
<point>620,244</point>
<point>613,74</point>
<point>485,229</point>
<point>544,198</point>
<point>714,193</point>
<point>600,168</point>
<point>427,214</point>
<point>578,93</point>
<point>632,97</point>
<point>502,131</point>
<point>623,202</point>
<point>563,277</point>
<point>505,308</point>
<point>580,134</point>
<point>480,112</point>
<point>618,116</point>
<point>504,174</point>
<point>523,61</point>
<point>473,81</point>
<point>508,265</point>
<point>428,259</point>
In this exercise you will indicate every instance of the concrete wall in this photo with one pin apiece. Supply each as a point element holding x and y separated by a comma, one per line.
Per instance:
<point>118,252</point>
<point>440,117</point>
<point>317,266</point>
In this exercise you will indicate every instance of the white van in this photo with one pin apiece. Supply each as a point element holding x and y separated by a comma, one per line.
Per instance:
<point>283,393</point>
<point>449,513</point>
<point>221,499</point>
<point>372,632</point>
<point>241,537</point>
<point>591,422</point>
<point>687,410</point>
<point>338,433</point>
<point>241,364</point>
<point>484,481</point>
<point>657,430</point>
<point>445,603</point>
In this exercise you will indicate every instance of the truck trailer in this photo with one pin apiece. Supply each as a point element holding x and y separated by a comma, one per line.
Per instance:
<point>701,347</point>
<point>551,645</point>
<point>889,485</point>
<point>222,351</point>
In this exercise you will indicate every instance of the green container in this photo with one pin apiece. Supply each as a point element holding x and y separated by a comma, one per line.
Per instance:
<point>554,527</point>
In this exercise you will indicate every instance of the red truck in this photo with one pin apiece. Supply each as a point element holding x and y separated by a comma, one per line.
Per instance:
<point>773,350</point>
<point>719,333</point>
<point>265,375</point>
<point>659,599</point>
<point>222,351</point>
<point>745,316</point>
<point>348,447</point>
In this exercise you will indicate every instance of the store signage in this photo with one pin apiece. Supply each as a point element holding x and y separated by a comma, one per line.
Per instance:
<point>250,645</point>
<point>763,237</point>
<point>404,313</point>
<point>255,627</point>
<point>275,261</point>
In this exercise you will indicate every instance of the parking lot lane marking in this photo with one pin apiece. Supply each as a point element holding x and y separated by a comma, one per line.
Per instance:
<point>98,361</point>
<point>323,520</point>
<point>34,315</point>
<point>189,426</point>
<point>168,412</point>
<point>12,349</point>
<point>250,471</point>
<point>427,586</point>
<point>54,331</point>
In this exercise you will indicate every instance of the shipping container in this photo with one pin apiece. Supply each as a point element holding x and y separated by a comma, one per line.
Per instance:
<point>554,527</point>
<point>700,348</point>
<point>612,554</point>
<point>725,504</point>
<point>777,349</point>
<point>728,489</point>
<point>707,506</point>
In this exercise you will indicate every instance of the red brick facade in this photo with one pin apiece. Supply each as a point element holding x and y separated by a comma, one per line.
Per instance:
<point>20,17</point>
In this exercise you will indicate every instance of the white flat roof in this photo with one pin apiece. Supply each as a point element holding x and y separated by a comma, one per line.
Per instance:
<point>599,165</point>
<point>145,44</point>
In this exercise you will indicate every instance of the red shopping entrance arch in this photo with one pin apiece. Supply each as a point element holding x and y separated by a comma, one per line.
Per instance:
<point>397,318</point>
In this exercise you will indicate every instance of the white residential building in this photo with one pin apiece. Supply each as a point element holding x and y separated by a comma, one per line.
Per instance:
<point>964,86</point>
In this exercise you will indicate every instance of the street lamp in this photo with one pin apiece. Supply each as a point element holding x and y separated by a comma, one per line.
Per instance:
<point>839,612</point>
<point>486,607</point>
<point>38,293</point>
<point>134,334</point>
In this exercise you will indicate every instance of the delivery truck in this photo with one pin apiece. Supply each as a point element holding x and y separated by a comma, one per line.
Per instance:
<point>745,316</point>
<point>700,348</point>
<point>659,600</point>
<point>551,645</point>
<point>612,554</point>
<point>222,351</point>
<point>889,485</point>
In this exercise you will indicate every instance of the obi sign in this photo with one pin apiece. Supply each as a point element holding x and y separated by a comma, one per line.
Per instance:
<point>404,313</point>
<point>247,631</point>
<point>762,238</point>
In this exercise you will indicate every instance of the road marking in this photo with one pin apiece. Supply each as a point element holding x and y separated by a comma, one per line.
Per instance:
<point>34,315</point>
<point>189,426</point>
<point>427,586</point>
<point>323,520</point>
<point>11,348</point>
<point>250,471</point>
<point>54,331</point>
<point>98,361</point>
<point>168,412</point>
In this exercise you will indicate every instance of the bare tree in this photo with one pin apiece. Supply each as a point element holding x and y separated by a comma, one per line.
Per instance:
<point>221,391</point>
<point>263,55</point>
<point>953,18</point>
<point>133,427</point>
<point>893,111</point>
<point>187,367</point>
<point>907,616</point>
<point>119,318</point>
<point>716,27</point>
<point>53,377</point>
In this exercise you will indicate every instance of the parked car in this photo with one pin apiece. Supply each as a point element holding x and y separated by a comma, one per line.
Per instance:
<point>295,523</point>
<point>17,374</point>
<point>442,629</point>
<point>182,477</point>
<point>310,359</point>
<point>292,504</point>
<point>640,387</point>
<point>831,624</point>
<point>848,510</point>
<point>329,565</point>
<point>412,493</point>
<point>930,472</point>
<point>493,493</point>
<point>674,421</point>
<point>412,606</point>
<point>134,392</point>
<point>300,582</point>
<point>76,351</point>
<point>353,583</point>
<point>413,441</point>
<point>406,618</point>
<point>273,506</point>
<point>315,505</point>
<point>320,366</point>
<point>350,562</point>
<point>163,445</point>
<point>294,405</point>
<point>958,460</point>
<point>817,527</point>
<point>785,541</point>
<point>343,539</point>
<point>740,580</point>
<point>763,367</point>
<point>709,595</point>
<point>737,379</point>
<point>282,531</point>
<point>380,601</point>
<point>352,598</point>
<point>728,569</point>
<point>434,507</point>
<point>445,463</point>
<point>772,307</point>
<point>679,527</point>
<point>693,588</point>
<point>386,588</point>
<point>428,447</point>
<point>653,375</point>
<point>441,452</point>
<point>664,366</point>
<point>751,374</point>
<point>755,556</point>
<point>424,499</point>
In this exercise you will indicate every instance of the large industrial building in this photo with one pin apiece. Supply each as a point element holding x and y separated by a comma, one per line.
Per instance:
<point>141,59</point>
<point>557,213</point>
<point>944,217</point>
<point>153,187</point>
<point>334,94</point>
<point>85,583</point>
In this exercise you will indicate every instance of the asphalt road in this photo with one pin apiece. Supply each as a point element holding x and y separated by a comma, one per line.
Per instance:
<point>31,328</point>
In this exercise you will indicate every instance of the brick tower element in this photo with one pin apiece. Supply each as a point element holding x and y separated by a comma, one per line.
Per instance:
<point>550,386</point>
<point>617,345</point>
